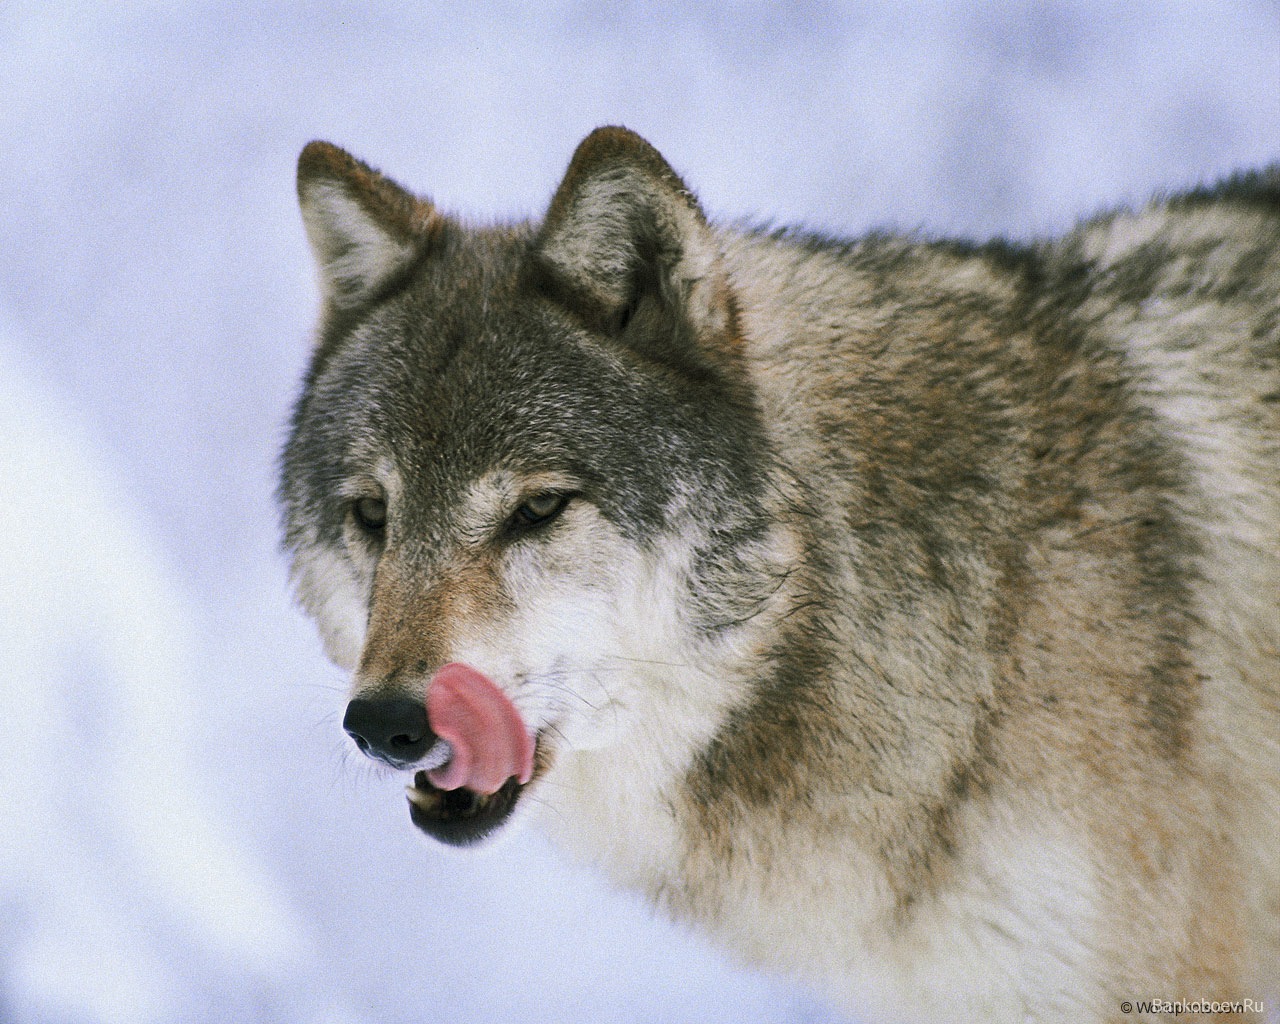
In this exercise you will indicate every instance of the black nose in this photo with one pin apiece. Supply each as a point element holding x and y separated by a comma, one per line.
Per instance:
<point>393,730</point>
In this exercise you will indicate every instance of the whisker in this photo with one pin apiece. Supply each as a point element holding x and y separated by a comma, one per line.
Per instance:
<point>555,729</point>
<point>546,805</point>
<point>649,661</point>
<point>326,687</point>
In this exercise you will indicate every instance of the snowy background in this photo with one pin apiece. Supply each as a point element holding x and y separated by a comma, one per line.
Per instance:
<point>182,835</point>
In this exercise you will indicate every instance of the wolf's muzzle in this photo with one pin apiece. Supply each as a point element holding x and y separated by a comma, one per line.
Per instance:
<point>468,744</point>
<point>393,730</point>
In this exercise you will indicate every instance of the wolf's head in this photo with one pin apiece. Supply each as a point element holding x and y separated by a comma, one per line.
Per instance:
<point>525,483</point>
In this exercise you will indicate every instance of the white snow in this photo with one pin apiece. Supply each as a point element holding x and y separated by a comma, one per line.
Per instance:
<point>186,837</point>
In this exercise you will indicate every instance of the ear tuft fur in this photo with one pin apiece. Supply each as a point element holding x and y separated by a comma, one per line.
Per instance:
<point>362,226</point>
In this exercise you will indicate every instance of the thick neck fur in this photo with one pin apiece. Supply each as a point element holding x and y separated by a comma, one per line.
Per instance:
<point>917,653</point>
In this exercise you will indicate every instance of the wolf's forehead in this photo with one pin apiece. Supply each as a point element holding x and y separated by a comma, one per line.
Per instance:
<point>453,387</point>
<point>451,406</point>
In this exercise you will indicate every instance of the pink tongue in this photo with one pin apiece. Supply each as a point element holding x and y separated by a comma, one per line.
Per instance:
<point>489,740</point>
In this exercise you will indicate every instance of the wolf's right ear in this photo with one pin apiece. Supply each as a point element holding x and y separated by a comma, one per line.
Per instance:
<point>362,226</point>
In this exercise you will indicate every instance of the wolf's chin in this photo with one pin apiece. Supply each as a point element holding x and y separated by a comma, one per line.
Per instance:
<point>460,817</point>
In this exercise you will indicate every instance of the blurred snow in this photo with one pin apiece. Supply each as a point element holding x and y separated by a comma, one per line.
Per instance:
<point>186,838</point>
<point>116,870</point>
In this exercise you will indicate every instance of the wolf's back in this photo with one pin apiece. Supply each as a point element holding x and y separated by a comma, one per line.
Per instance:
<point>1053,476</point>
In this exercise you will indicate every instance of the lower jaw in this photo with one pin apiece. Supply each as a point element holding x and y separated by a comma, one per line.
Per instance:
<point>460,817</point>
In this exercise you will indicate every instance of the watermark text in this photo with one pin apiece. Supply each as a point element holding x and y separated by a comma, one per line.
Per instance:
<point>1197,1007</point>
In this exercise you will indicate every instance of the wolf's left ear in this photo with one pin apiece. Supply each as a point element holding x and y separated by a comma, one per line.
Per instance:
<point>625,237</point>
<point>362,226</point>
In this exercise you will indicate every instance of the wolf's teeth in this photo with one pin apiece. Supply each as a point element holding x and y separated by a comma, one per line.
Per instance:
<point>421,799</point>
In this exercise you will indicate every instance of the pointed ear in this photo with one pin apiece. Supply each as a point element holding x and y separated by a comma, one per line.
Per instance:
<point>624,238</point>
<point>362,226</point>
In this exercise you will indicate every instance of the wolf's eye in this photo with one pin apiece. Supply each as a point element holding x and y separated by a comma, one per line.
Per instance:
<point>539,509</point>
<point>370,513</point>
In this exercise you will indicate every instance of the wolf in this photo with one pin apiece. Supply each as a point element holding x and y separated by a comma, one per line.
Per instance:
<point>903,612</point>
